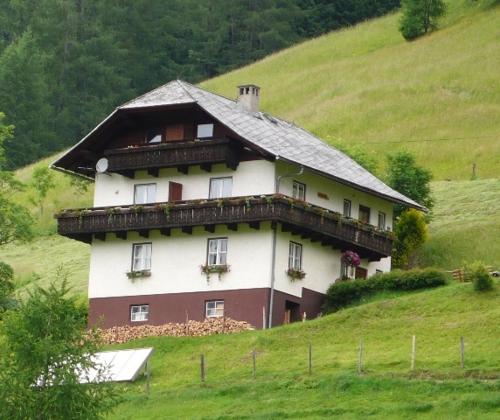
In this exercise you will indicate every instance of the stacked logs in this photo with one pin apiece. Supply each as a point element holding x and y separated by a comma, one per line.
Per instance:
<point>123,334</point>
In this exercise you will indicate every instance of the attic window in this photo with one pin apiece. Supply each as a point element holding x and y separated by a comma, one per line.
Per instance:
<point>153,136</point>
<point>205,131</point>
<point>242,91</point>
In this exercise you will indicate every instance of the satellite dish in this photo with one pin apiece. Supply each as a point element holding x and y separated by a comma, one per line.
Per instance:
<point>102,165</point>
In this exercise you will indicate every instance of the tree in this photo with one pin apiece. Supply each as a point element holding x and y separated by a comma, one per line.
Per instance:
<point>15,220</point>
<point>411,233</point>
<point>42,180</point>
<point>6,287</point>
<point>45,349</point>
<point>420,17</point>
<point>405,176</point>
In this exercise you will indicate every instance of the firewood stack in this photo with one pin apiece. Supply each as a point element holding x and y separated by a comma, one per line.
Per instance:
<point>123,334</point>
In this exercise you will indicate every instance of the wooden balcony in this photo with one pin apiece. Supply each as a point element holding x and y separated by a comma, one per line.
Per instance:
<point>180,155</point>
<point>315,223</point>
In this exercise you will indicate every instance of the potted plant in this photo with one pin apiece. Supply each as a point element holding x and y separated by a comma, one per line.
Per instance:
<point>295,274</point>
<point>214,269</point>
<point>350,259</point>
<point>138,274</point>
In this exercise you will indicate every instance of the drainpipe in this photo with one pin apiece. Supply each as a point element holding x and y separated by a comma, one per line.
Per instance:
<point>277,181</point>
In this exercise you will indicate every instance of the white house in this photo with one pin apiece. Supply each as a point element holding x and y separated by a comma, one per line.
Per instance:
<point>205,207</point>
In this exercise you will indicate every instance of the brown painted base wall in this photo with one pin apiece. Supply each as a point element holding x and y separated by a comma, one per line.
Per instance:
<point>242,305</point>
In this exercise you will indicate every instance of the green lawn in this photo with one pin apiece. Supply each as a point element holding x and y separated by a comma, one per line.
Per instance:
<point>438,388</point>
<point>366,85</point>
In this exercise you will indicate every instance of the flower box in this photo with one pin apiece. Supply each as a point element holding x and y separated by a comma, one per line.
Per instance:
<point>138,274</point>
<point>295,274</point>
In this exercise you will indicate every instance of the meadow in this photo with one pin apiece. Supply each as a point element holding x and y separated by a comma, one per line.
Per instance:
<point>387,388</point>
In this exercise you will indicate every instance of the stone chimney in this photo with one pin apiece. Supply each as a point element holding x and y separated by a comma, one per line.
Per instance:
<point>248,97</point>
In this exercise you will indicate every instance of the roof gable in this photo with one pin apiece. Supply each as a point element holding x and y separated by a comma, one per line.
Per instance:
<point>275,136</point>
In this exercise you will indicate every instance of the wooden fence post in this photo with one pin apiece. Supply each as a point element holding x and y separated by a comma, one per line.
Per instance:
<point>263,317</point>
<point>254,367</point>
<point>202,368</point>
<point>360,357</point>
<point>310,358</point>
<point>462,353</point>
<point>413,351</point>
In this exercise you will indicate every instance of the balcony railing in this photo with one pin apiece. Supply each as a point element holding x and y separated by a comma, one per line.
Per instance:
<point>179,155</point>
<point>297,217</point>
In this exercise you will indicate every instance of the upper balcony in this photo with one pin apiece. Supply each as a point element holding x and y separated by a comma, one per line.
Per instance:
<point>178,155</point>
<point>315,223</point>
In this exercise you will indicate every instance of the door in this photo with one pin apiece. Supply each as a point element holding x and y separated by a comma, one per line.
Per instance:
<point>292,312</point>
<point>174,191</point>
<point>361,273</point>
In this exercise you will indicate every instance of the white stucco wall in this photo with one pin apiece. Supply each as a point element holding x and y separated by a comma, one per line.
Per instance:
<point>336,193</point>
<point>176,260</point>
<point>251,178</point>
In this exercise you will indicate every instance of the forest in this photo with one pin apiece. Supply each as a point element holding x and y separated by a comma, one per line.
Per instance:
<point>65,64</point>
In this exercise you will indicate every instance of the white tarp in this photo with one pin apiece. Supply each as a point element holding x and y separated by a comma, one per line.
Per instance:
<point>119,365</point>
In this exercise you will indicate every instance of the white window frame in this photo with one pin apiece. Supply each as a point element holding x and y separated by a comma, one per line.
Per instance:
<point>299,190</point>
<point>150,193</point>
<point>214,308</point>
<point>381,226</point>
<point>205,131</point>
<point>347,203</point>
<point>217,251</point>
<point>141,256</point>
<point>295,256</point>
<point>221,187</point>
<point>142,314</point>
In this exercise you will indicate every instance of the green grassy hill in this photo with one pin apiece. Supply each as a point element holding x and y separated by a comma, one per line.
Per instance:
<point>438,388</point>
<point>366,85</point>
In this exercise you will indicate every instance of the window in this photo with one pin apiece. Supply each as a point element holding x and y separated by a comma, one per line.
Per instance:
<point>153,136</point>
<point>364,214</point>
<point>139,313</point>
<point>204,131</point>
<point>381,220</point>
<point>299,191</point>
<point>347,208</point>
<point>141,257</point>
<point>220,187</point>
<point>144,193</point>
<point>214,308</point>
<point>217,251</point>
<point>295,256</point>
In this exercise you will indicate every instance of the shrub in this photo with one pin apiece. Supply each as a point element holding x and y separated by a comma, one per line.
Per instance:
<point>341,294</point>
<point>478,274</point>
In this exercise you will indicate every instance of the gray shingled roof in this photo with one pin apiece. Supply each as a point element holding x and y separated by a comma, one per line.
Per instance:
<point>274,135</point>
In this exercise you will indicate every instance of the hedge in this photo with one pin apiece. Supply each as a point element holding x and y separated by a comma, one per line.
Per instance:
<point>343,293</point>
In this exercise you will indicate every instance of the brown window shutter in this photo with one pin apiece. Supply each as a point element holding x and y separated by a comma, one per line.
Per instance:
<point>174,132</point>
<point>174,191</point>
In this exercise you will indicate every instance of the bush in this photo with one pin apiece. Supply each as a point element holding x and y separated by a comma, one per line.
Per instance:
<point>341,294</point>
<point>479,276</point>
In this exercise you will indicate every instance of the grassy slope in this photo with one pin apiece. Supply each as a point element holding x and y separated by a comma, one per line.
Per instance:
<point>283,389</point>
<point>466,224</point>
<point>367,85</point>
